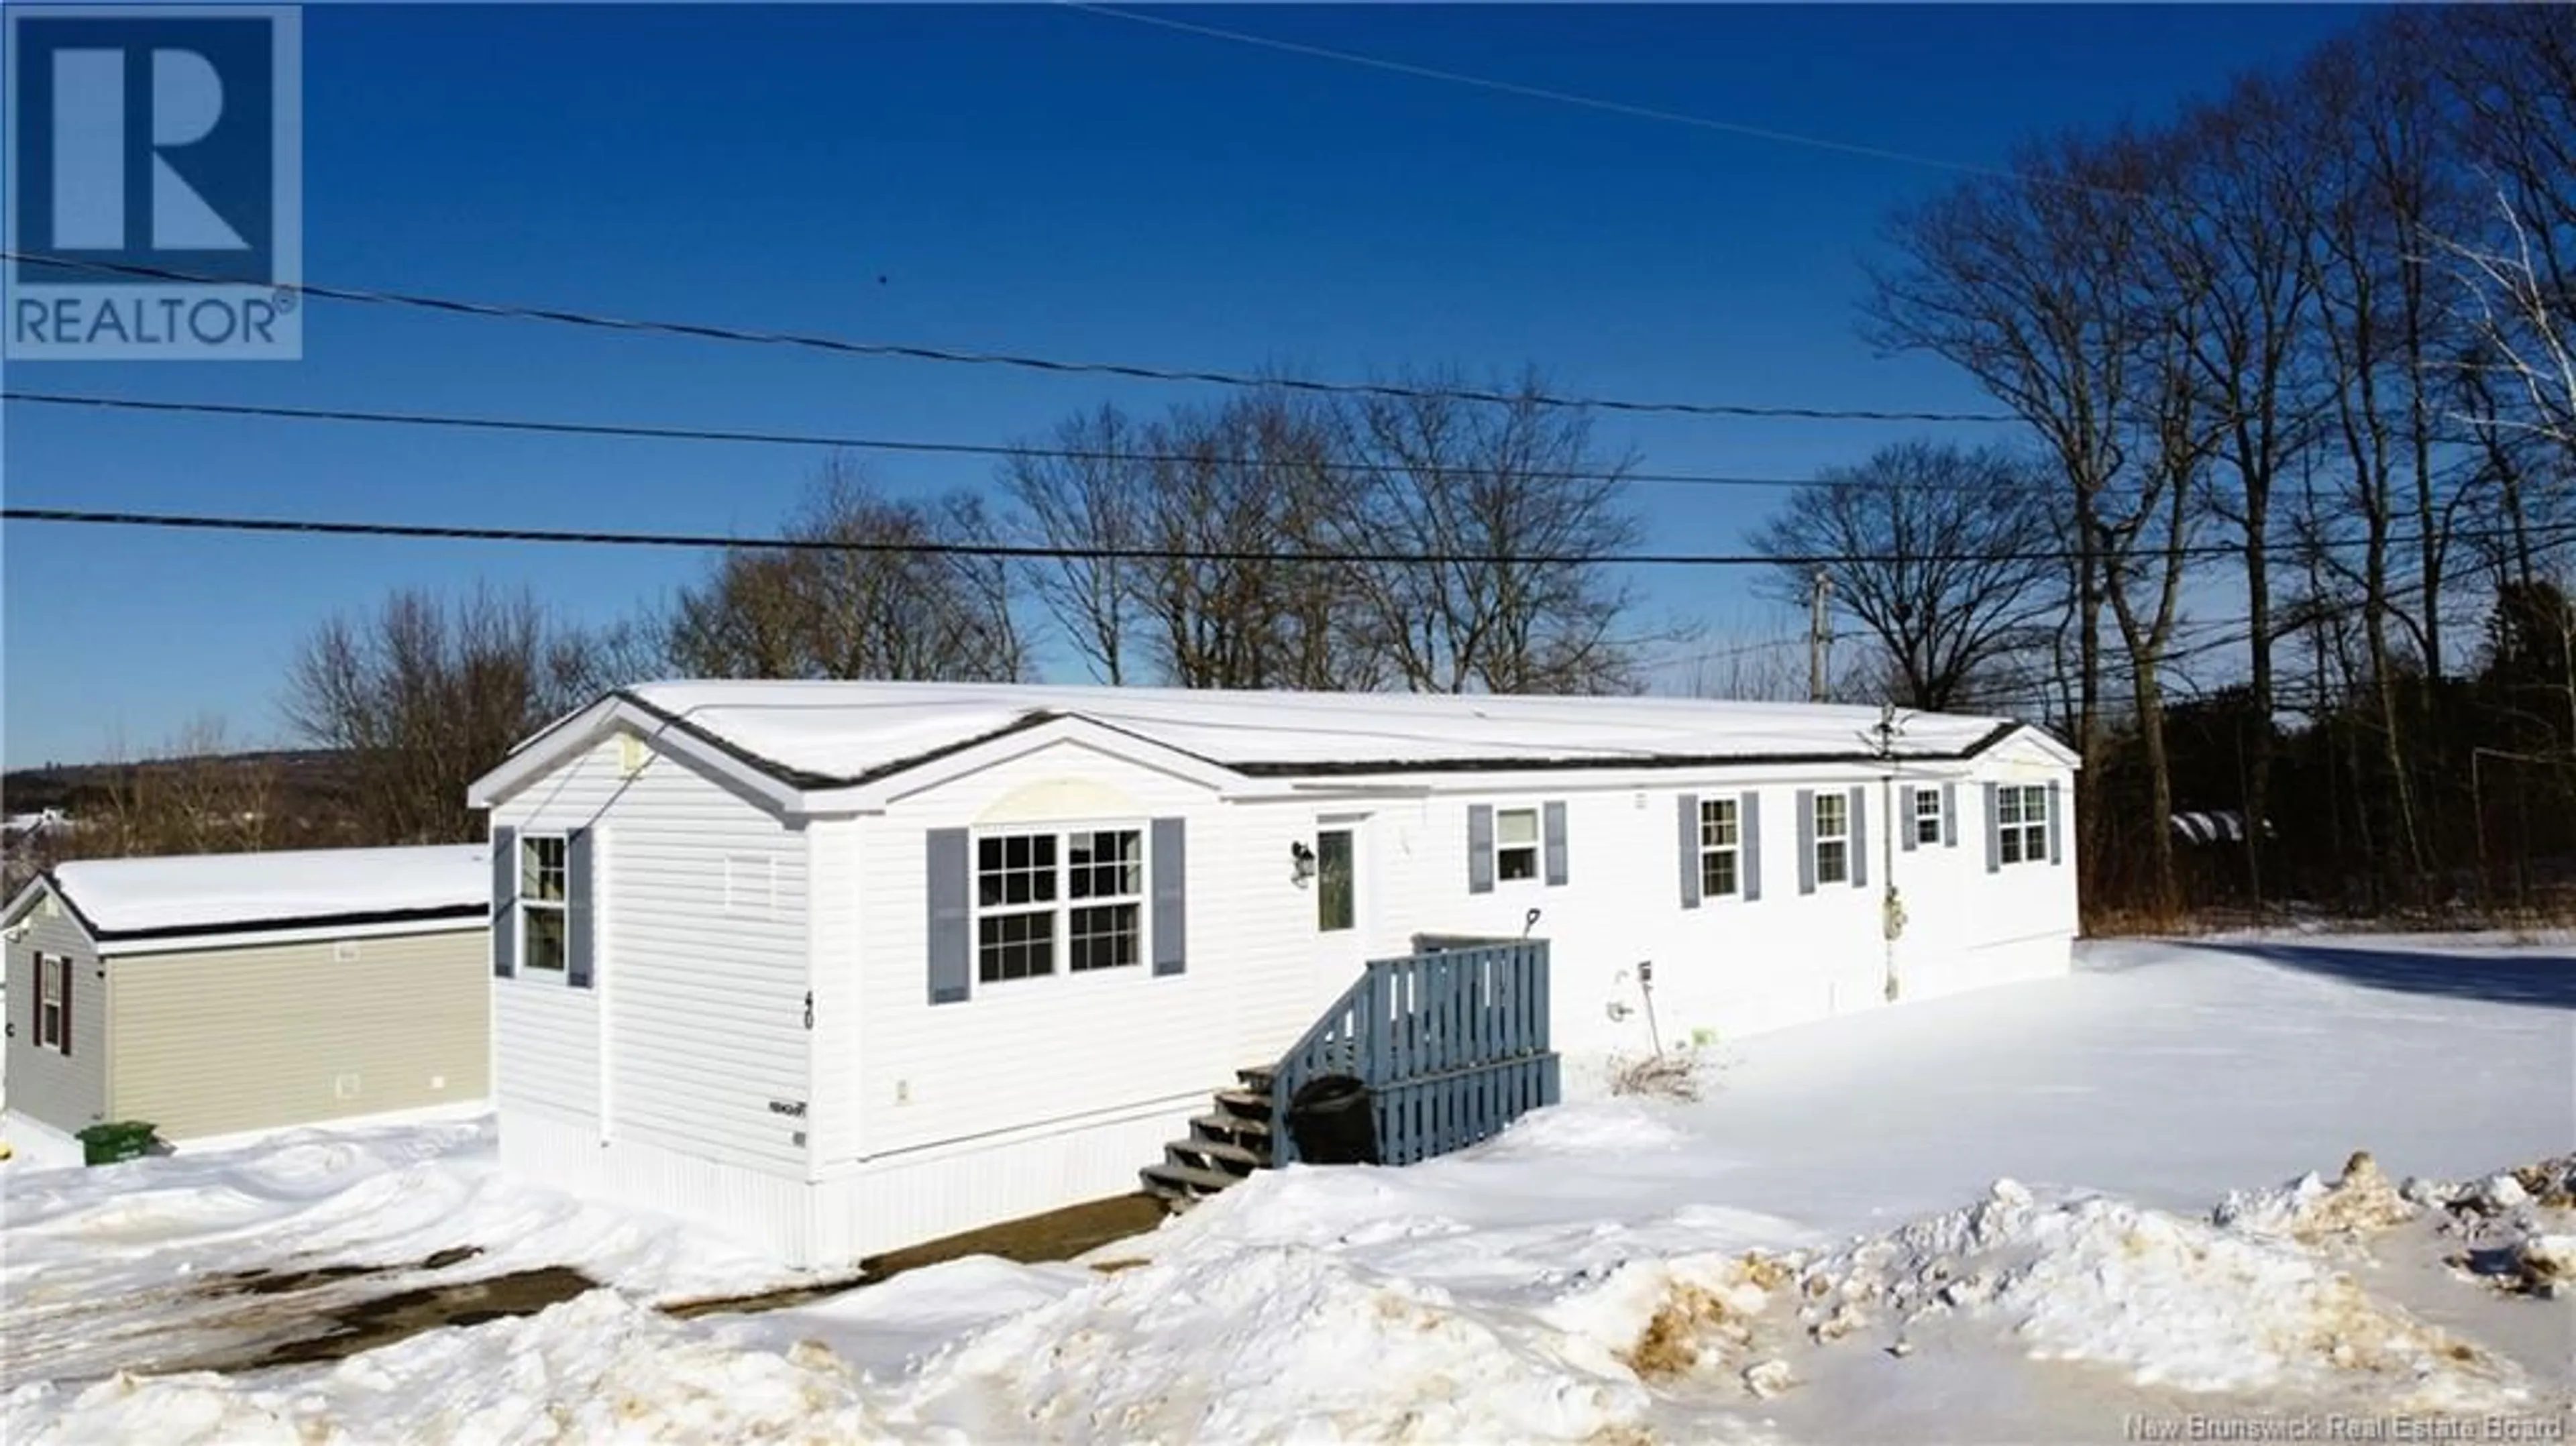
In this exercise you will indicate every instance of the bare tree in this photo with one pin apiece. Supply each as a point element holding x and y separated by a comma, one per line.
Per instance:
<point>1083,494</point>
<point>2526,329</point>
<point>2242,165</point>
<point>1239,501</point>
<point>424,697</point>
<point>194,795</point>
<point>2512,73</point>
<point>1941,552</point>
<point>1520,508</point>
<point>865,593</point>
<point>2026,286</point>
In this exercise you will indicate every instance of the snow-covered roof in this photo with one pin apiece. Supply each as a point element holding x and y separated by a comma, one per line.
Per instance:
<point>224,893</point>
<point>819,734</point>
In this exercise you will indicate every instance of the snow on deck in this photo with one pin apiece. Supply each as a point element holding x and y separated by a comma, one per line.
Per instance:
<point>209,891</point>
<point>844,730</point>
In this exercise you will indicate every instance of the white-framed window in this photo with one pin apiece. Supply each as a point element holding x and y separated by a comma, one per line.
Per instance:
<point>1927,816</point>
<point>1721,847</point>
<point>2021,821</point>
<point>1048,903</point>
<point>1833,838</point>
<point>1336,881</point>
<point>1515,844</point>
<point>544,937</point>
<point>53,988</point>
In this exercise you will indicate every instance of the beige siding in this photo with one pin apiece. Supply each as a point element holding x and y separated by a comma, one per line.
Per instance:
<point>214,1041</point>
<point>66,1092</point>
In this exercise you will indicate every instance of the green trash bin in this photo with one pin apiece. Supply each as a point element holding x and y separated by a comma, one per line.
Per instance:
<point>116,1140</point>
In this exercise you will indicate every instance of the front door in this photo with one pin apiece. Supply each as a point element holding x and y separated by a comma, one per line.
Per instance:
<point>1341,895</point>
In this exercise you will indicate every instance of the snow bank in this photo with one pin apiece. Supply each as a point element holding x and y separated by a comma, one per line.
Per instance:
<point>1268,1343</point>
<point>108,1268</point>
<point>2169,1300</point>
<point>598,1368</point>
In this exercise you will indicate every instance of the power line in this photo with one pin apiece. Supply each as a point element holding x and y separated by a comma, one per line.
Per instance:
<point>1591,102</point>
<point>1044,551</point>
<point>844,346</point>
<point>540,426</point>
<point>1031,551</point>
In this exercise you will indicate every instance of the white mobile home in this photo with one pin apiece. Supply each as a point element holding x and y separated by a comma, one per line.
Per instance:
<point>219,994</point>
<point>845,966</point>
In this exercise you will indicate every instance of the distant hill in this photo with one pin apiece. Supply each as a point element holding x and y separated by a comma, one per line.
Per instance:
<point>309,781</point>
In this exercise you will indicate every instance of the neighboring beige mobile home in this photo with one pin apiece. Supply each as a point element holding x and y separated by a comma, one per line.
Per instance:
<point>222,994</point>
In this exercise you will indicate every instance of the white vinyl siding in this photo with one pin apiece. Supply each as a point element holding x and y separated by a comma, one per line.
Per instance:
<point>1017,1052</point>
<point>703,1006</point>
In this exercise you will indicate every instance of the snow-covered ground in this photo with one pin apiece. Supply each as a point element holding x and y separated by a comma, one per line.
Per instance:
<point>1991,1218</point>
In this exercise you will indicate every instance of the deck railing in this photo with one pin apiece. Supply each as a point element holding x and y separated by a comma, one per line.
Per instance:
<point>1451,1041</point>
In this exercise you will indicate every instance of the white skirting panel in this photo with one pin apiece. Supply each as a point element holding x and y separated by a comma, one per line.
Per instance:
<point>761,1210</point>
<point>34,1145</point>
<point>2010,961</point>
<point>881,1205</point>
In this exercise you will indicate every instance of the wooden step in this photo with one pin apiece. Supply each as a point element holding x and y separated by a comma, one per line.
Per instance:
<point>1244,1103</point>
<point>1238,1127</point>
<point>1184,1182</point>
<point>1233,1158</point>
<point>1259,1078</point>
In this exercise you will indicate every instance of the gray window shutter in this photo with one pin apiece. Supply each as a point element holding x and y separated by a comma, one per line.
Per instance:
<point>581,908</point>
<point>2056,824</point>
<point>1994,831</point>
<point>1949,815</point>
<point>949,880</point>
<point>1806,840</point>
<point>1551,832</point>
<point>1169,864</point>
<point>1860,838</point>
<point>1903,823</point>
<point>1748,863</point>
<point>505,902</point>
<point>1690,850</point>
<point>1480,848</point>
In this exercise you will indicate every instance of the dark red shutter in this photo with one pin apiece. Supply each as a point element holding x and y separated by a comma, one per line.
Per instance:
<point>67,1006</point>
<point>36,1003</point>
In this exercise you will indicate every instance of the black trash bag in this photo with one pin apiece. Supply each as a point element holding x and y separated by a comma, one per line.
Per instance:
<point>1334,1122</point>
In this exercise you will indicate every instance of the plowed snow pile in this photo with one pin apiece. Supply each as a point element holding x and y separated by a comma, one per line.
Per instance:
<point>1276,1343</point>
<point>599,1368</point>
<point>2169,1301</point>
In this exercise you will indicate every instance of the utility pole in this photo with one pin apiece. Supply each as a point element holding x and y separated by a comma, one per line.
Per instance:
<point>1820,636</point>
<point>1891,905</point>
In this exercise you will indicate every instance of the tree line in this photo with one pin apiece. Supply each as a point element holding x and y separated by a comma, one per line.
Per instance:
<point>2302,353</point>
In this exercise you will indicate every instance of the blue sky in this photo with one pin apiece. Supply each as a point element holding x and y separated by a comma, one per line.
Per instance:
<point>1032,179</point>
